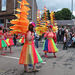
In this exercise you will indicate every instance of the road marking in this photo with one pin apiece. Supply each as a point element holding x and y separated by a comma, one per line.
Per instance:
<point>16,58</point>
<point>11,57</point>
<point>43,62</point>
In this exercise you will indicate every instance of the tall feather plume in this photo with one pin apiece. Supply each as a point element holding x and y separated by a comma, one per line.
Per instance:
<point>22,22</point>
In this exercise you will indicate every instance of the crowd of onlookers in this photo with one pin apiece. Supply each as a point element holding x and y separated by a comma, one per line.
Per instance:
<point>67,37</point>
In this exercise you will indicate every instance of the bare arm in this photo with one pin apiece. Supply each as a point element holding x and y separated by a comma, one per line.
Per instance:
<point>46,34</point>
<point>29,35</point>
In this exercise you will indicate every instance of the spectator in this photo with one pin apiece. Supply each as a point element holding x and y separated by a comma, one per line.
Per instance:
<point>59,35</point>
<point>36,40</point>
<point>73,39</point>
<point>65,42</point>
<point>14,38</point>
<point>63,32</point>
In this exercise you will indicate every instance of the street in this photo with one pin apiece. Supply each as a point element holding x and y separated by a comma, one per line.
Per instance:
<point>64,64</point>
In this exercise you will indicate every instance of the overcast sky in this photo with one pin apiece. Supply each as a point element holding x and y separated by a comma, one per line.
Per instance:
<point>55,5</point>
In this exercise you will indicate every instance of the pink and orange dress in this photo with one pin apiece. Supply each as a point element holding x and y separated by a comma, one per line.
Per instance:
<point>29,55</point>
<point>49,44</point>
<point>9,39</point>
<point>2,41</point>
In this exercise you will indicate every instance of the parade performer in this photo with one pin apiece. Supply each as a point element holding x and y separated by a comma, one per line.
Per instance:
<point>2,41</point>
<point>49,45</point>
<point>9,40</point>
<point>29,55</point>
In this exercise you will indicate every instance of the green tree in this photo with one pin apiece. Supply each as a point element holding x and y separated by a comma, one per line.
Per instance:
<point>64,14</point>
<point>58,15</point>
<point>48,14</point>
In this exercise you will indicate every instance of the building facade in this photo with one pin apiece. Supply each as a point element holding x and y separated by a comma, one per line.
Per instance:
<point>65,23</point>
<point>62,23</point>
<point>7,11</point>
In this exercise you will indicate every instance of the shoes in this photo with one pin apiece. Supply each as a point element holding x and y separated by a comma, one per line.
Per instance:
<point>28,71</point>
<point>11,52</point>
<point>46,56</point>
<point>2,54</point>
<point>5,51</point>
<point>35,70</point>
<point>55,56</point>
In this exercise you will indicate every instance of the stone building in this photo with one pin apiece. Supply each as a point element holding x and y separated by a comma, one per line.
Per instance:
<point>7,11</point>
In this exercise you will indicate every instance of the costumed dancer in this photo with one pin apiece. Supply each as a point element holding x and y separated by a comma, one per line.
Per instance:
<point>22,40</point>
<point>2,41</point>
<point>9,40</point>
<point>49,45</point>
<point>29,55</point>
<point>5,37</point>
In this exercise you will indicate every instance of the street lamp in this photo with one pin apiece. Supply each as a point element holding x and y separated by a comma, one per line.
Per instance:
<point>72,13</point>
<point>14,6</point>
<point>33,11</point>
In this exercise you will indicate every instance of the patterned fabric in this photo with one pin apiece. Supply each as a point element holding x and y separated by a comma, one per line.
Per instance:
<point>29,55</point>
<point>2,43</point>
<point>9,42</point>
<point>49,46</point>
<point>22,40</point>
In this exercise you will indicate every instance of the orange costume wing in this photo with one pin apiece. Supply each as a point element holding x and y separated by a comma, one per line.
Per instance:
<point>21,24</point>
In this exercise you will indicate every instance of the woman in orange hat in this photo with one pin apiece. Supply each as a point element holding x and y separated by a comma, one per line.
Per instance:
<point>49,45</point>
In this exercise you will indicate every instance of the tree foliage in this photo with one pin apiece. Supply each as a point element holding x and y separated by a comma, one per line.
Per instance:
<point>47,15</point>
<point>64,14</point>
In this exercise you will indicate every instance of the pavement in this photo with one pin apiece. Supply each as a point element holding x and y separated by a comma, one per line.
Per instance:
<point>64,64</point>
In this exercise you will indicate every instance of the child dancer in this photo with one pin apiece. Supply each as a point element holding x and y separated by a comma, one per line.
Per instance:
<point>9,40</point>
<point>2,41</point>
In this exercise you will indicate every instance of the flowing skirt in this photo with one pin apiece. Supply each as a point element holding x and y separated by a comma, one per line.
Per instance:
<point>2,43</point>
<point>22,40</point>
<point>49,46</point>
<point>29,55</point>
<point>9,42</point>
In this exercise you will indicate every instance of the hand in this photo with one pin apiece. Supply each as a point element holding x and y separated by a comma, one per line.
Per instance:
<point>32,34</point>
<point>47,30</point>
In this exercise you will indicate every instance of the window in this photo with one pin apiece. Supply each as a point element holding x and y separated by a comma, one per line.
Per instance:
<point>1,22</point>
<point>3,5</point>
<point>9,20</point>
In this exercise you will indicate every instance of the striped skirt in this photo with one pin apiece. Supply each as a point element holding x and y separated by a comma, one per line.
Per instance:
<point>49,46</point>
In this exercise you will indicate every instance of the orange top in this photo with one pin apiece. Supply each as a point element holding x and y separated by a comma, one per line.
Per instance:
<point>49,35</point>
<point>27,35</point>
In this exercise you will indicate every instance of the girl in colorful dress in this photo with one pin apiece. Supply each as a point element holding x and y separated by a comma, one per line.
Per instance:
<point>5,37</point>
<point>2,41</point>
<point>9,40</point>
<point>49,45</point>
<point>29,55</point>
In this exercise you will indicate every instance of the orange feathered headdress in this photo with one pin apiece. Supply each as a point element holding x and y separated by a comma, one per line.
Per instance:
<point>21,24</point>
